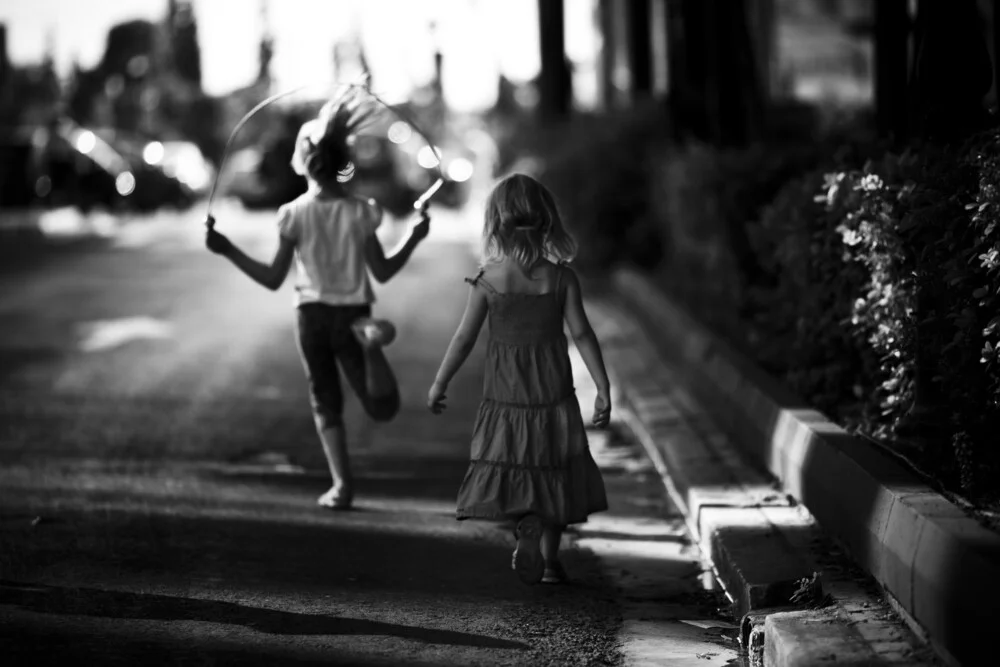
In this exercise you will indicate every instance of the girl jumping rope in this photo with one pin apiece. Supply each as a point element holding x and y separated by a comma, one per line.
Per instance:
<point>331,236</point>
<point>530,461</point>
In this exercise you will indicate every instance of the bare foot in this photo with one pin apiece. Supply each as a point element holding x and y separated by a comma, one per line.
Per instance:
<point>337,498</point>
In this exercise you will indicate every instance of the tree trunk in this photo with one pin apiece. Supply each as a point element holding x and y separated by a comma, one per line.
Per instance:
<point>555,88</point>
<point>687,67</point>
<point>952,70</point>
<point>735,104</point>
<point>640,48</point>
<point>606,11</point>
<point>716,91</point>
<point>995,18</point>
<point>892,31</point>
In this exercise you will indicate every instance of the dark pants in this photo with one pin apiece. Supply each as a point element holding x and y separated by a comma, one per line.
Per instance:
<point>326,339</point>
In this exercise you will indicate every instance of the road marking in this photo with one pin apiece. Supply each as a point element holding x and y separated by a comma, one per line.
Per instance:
<point>106,334</point>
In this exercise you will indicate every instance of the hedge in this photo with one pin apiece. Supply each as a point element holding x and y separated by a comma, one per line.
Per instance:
<point>875,263</point>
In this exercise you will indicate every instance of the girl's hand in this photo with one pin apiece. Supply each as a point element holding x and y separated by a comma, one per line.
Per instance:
<point>435,398</point>
<point>602,410</point>
<point>422,228</point>
<point>214,241</point>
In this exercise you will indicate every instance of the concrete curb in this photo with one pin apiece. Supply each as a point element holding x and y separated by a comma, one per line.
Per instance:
<point>723,501</point>
<point>756,540</point>
<point>941,567</point>
<point>812,638</point>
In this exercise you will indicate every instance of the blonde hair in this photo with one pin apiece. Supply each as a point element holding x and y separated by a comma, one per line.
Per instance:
<point>522,223</point>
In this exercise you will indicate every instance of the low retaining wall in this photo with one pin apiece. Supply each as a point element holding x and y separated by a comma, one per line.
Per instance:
<point>941,566</point>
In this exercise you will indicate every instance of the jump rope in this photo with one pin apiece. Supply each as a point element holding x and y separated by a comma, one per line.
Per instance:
<point>422,201</point>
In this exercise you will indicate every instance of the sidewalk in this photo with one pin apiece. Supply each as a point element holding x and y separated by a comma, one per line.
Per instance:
<point>793,591</point>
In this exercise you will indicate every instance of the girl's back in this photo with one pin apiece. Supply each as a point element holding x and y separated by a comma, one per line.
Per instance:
<point>330,235</point>
<point>524,305</point>
<point>528,359</point>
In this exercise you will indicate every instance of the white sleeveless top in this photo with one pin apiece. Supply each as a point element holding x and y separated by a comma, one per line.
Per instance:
<point>330,236</point>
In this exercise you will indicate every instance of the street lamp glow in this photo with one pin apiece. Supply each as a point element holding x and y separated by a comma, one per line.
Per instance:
<point>460,169</point>
<point>153,152</point>
<point>85,141</point>
<point>426,158</point>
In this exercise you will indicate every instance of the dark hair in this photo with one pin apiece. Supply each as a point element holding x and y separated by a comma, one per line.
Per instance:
<point>323,147</point>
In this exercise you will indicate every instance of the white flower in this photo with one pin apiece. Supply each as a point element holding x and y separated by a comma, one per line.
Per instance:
<point>871,183</point>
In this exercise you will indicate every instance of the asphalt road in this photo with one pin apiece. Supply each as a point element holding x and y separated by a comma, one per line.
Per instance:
<point>159,469</point>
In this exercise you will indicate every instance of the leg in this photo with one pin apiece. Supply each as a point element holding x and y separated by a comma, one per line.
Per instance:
<point>320,364</point>
<point>370,376</point>
<point>551,537</point>
<point>527,560</point>
<point>334,441</point>
<point>380,381</point>
<point>554,572</point>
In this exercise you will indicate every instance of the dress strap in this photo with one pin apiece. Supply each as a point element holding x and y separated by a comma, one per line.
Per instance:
<point>475,279</point>
<point>479,280</point>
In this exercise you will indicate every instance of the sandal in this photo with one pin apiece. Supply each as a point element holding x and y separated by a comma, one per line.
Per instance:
<point>336,499</point>
<point>371,332</point>
<point>527,560</point>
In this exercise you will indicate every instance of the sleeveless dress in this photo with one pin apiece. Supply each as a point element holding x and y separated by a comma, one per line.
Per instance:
<point>529,448</point>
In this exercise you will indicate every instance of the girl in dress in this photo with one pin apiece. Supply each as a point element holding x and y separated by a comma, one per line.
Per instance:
<point>530,461</point>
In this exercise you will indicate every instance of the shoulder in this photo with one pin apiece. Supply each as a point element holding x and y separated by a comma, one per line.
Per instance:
<point>480,281</point>
<point>560,269</point>
<point>303,200</point>
<point>567,276</point>
<point>361,203</point>
<point>296,205</point>
<point>288,217</point>
<point>366,210</point>
<point>494,273</point>
<point>476,279</point>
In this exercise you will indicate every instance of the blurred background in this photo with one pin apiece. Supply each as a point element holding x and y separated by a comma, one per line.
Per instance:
<point>125,105</point>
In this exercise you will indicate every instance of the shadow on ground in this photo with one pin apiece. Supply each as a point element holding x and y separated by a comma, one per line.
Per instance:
<point>79,646</point>
<point>150,607</point>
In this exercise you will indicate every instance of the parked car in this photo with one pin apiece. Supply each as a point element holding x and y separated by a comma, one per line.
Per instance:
<point>154,185</point>
<point>61,164</point>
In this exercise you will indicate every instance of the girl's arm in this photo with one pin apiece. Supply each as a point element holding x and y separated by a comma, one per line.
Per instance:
<point>270,275</point>
<point>458,350</point>
<point>586,342</point>
<point>384,268</point>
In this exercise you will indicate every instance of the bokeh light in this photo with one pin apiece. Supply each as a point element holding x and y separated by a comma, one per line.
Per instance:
<point>85,141</point>
<point>153,153</point>
<point>460,169</point>
<point>400,132</point>
<point>426,157</point>
<point>125,183</point>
